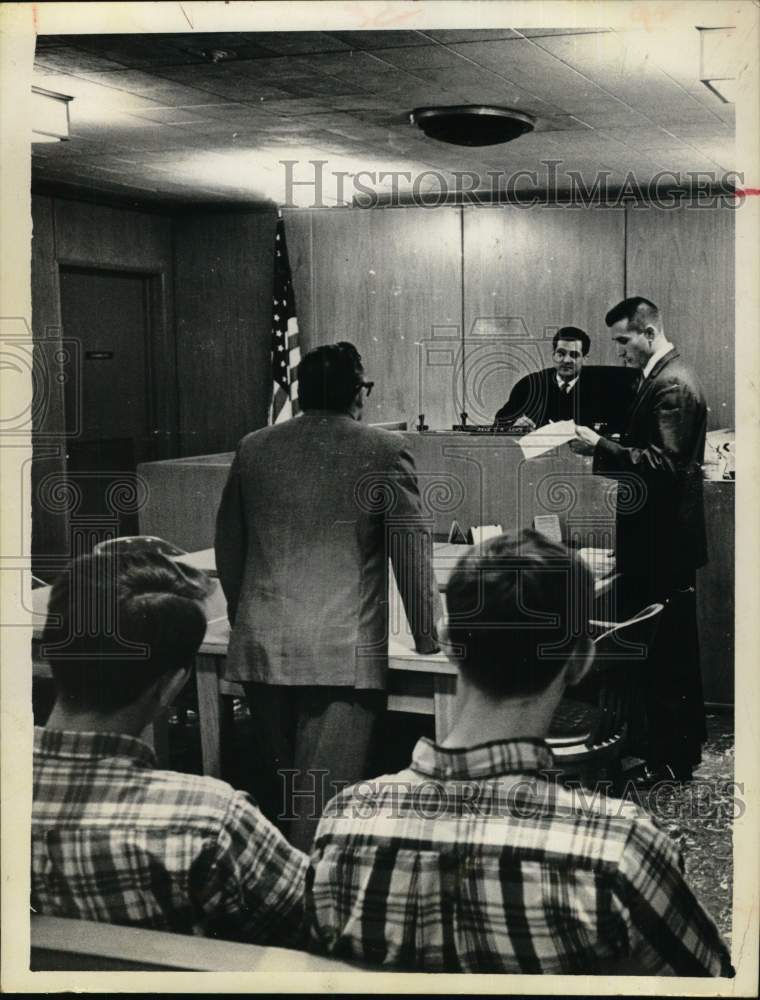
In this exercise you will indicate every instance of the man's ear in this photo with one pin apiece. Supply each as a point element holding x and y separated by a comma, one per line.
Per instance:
<point>170,685</point>
<point>650,333</point>
<point>580,661</point>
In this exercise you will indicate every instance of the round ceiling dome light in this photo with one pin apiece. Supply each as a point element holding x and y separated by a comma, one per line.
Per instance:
<point>472,125</point>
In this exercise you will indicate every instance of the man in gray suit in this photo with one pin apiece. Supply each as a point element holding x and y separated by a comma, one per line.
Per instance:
<point>312,511</point>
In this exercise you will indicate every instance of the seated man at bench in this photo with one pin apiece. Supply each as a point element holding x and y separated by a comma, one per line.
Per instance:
<point>476,859</point>
<point>113,838</point>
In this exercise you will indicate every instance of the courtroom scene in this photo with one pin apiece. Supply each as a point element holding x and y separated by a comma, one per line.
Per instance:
<point>382,500</point>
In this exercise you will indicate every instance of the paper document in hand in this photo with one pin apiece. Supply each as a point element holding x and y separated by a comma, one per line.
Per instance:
<point>550,436</point>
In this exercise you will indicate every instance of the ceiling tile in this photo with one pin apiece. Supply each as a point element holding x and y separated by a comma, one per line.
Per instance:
<point>292,42</point>
<point>421,57</point>
<point>144,107</point>
<point>451,35</point>
<point>69,60</point>
<point>378,39</point>
<point>135,51</point>
<point>532,69</point>
<point>175,116</point>
<point>548,32</point>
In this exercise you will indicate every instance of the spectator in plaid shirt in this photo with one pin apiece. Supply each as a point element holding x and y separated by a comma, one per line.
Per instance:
<point>475,859</point>
<point>113,838</point>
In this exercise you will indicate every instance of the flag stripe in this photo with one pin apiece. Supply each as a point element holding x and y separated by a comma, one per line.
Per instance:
<point>285,351</point>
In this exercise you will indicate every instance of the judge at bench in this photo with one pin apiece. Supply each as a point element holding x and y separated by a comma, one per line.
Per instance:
<point>553,393</point>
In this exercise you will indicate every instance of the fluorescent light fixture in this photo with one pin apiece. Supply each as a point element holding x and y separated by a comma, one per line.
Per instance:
<point>718,62</point>
<point>50,115</point>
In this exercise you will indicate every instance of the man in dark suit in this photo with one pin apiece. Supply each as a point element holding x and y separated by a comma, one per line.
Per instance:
<point>660,526</point>
<point>554,393</point>
<point>312,511</point>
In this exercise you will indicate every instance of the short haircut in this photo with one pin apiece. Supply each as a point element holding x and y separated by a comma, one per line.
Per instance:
<point>118,622</point>
<point>329,377</point>
<point>572,333</point>
<point>516,607</point>
<point>638,311</point>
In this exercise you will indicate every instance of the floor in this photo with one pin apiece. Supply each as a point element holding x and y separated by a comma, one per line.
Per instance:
<point>697,816</point>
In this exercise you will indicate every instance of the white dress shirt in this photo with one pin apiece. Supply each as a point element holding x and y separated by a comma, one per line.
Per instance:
<point>566,386</point>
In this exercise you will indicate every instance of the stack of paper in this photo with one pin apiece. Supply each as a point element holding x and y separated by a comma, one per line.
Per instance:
<point>545,438</point>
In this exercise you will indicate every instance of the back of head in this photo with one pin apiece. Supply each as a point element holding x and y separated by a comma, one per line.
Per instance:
<point>516,607</point>
<point>638,312</point>
<point>118,622</point>
<point>329,377</point>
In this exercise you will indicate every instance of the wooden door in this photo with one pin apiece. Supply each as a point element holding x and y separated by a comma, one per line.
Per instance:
<point>108,389</point>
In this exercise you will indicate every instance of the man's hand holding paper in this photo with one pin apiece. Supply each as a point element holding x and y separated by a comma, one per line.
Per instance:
<point>545,438</point>
<point>584,441</point>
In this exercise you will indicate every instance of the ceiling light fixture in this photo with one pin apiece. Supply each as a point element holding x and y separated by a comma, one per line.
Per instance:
<point>50,115</point>
<point>472,125</point>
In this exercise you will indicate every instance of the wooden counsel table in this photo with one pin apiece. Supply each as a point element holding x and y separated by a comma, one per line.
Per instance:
<point>423,684</point>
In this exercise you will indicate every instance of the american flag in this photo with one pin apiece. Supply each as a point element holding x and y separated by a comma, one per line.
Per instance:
<point>285,350</point>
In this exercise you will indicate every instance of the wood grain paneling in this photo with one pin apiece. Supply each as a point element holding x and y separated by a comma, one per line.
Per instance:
<point>183,497</point>
<point>683,260</point>
<point>715,594</point>
<point>223,278</point>
<point>528,271</point>
<point>49,526</point>
<point>105,236</point>
<point>390,282</point>
<point>485,479</point>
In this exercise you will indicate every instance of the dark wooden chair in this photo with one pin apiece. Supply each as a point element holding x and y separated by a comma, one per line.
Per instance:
<point>590,727</point>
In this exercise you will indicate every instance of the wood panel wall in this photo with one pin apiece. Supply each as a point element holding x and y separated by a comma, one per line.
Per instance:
<point>49,525</point>
<point>528,272</point>
<point>390,282</point>
<point>223,268</point>
<point>683,260</point>
<point>437,301</point>
<point>495,283</point>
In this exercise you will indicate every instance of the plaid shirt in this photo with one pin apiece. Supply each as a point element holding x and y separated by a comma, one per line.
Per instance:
<point>476,860</point>
<point>115,840</point>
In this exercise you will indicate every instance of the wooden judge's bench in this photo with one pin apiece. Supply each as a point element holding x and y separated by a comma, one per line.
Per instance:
<point>479,479</point>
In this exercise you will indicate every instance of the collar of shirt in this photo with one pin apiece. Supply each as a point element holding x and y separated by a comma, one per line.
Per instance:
<point>655,358</point>
<point>85,746</point>
<point>486,760</point>
<point>566,385</point>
